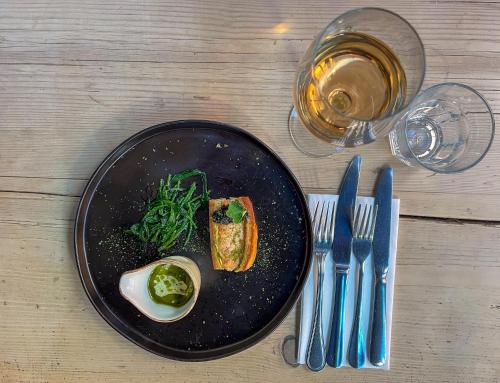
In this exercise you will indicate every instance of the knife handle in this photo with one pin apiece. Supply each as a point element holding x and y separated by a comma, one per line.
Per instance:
<point>378,339</point>
<point>336,343</point>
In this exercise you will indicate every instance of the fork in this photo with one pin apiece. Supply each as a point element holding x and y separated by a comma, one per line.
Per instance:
<point>323,223</point>
<point>363,220</point>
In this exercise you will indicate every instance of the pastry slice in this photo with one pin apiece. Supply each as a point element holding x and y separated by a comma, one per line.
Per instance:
<point>233,233</point>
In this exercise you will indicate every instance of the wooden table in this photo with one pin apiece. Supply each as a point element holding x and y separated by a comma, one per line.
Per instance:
<point>78,77</point>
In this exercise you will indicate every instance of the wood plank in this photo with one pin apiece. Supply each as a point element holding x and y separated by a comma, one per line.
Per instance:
<point>72,151</point>
<point>438,205</point>
<point>446,318</point>
<point>73,89</point>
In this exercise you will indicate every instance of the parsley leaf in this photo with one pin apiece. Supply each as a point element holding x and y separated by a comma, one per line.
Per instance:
<point>236,211</point>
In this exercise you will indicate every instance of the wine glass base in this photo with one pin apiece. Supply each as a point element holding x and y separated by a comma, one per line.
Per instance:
<point>305,141</point>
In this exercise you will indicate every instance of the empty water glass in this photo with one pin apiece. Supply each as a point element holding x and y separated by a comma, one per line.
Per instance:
<point>448,128</point>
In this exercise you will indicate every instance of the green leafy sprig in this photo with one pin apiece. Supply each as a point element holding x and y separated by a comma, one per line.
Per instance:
<point>171,212</point>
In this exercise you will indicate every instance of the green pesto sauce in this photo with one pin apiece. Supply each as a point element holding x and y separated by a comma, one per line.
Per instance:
<point>170,285</point>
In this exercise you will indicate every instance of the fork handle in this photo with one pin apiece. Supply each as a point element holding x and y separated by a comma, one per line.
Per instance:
<point>378,343</point>
<point>316,351</point>
<point>356,352</point>
<point>336,343</point>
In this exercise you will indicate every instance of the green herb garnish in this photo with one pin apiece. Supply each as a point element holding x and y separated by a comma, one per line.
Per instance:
<point>172,211</point>
<point>236,211</point>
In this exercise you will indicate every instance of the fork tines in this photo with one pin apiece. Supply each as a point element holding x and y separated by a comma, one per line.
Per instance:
<point>363,221</point>
<point>323,221</point>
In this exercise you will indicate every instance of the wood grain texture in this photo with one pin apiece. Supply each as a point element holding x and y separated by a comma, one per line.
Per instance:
<point>446,311</point>
<point>79,77</point>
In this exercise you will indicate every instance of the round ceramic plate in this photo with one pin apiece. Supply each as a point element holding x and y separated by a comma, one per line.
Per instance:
<point>234,310</point>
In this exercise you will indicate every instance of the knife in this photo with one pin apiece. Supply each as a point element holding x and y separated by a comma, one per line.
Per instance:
<point>381,246</point>
<point>342,246</point>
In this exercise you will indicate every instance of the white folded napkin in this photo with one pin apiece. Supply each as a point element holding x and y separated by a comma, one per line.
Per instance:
<point>309,292</point>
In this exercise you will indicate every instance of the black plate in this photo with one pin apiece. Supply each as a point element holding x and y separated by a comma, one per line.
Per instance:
<point>234,310</point>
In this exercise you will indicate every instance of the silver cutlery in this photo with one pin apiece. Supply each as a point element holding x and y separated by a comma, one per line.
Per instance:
<point>363,225</point>
<point>342,242</point>
<point>381,248</point>
<point>323,223</point>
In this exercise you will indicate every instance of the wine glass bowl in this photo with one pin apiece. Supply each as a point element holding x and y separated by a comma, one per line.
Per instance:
<point>364,68</point>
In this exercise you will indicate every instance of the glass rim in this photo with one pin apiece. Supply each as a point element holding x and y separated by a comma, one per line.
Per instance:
<point>489,110</point>
<point>317,40</point>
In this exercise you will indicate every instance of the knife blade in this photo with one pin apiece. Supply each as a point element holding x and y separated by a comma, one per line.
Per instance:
<point>342,245</point>
<point>347,197</point>
<point>381,251</point>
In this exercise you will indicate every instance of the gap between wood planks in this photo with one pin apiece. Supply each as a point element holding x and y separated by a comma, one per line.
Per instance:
<point>41,193</point>
<point>456,221</point>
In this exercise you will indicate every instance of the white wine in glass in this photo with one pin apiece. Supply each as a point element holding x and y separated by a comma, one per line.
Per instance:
<point>350,80</point>
<point>355,76</point>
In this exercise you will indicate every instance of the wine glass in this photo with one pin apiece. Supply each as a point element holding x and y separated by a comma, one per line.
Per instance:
<point>362,70</point>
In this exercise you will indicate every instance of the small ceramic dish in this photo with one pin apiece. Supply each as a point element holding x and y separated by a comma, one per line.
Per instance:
<point>134,288</point>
